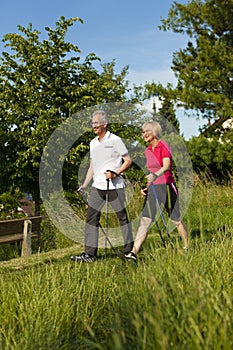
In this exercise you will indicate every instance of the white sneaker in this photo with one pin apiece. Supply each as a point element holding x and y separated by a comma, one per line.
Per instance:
<point>129,256</point>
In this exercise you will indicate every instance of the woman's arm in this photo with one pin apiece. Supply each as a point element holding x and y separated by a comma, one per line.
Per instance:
<point>165,167</point>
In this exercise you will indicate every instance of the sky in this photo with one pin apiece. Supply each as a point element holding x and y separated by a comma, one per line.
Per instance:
<point>123,30</point>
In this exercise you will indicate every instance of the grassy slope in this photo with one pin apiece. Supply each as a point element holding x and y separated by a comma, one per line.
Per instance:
<point>168,300</point>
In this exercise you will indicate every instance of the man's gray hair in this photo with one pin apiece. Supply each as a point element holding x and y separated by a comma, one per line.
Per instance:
<point>103,114</point>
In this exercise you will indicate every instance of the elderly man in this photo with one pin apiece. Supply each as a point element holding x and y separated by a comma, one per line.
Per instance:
<point>107,151</point>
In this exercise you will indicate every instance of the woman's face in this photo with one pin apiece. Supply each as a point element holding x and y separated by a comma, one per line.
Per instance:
<point>147,134</point>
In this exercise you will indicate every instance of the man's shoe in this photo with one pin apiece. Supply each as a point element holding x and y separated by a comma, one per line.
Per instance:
<point>83,258</point>
<point>127,256</point>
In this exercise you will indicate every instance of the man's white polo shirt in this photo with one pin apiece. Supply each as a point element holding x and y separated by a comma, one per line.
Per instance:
<point>107,155</point>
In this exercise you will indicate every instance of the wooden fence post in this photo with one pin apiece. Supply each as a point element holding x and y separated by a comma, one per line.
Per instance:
<point>26,245</point>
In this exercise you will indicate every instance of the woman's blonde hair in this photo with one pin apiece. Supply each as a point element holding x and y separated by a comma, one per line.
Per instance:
<point>155,127</point>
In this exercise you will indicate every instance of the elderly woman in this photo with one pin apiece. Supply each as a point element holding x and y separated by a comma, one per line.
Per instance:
<point>161,185</point>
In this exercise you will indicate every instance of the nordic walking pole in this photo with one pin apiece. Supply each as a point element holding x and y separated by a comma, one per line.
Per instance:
<point>160,233</point>
<point>106,222</point>
<point>160,210</point>
<point>81,192</point>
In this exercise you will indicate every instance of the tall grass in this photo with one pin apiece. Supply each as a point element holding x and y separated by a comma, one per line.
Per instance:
<point>170,299</point>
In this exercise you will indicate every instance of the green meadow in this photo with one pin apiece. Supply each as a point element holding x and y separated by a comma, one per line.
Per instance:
<point>169,299</point>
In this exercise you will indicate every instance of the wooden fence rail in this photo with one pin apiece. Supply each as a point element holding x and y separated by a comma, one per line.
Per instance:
<point>21,230</point>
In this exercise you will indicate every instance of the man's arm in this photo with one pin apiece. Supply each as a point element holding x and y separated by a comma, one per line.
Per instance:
<point>88,178</point>
<point>125,165</point>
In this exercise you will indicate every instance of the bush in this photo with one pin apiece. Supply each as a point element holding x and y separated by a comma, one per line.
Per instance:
<point>212,156</point>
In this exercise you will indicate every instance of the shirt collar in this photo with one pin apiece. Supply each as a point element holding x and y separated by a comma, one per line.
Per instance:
<point>150,147</point>
<point>106,136</point>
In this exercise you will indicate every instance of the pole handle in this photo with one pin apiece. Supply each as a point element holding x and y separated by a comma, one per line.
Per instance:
<point>113,172</point>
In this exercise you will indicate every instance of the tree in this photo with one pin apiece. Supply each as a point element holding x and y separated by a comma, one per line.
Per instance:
<point>166,114</point>
<point>167,111</point>
<point>213,157</point>
<point>42,84</point>
<point>204,69</point>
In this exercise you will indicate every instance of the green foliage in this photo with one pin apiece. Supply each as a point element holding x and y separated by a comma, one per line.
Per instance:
<point>165,115</point>
<point>205,67</point>
<point>213,156</point>
<point>167,111</point>
<point>204,70</point>
<point>42,83</point>
<point>9,205</point>
<point>51,238</point>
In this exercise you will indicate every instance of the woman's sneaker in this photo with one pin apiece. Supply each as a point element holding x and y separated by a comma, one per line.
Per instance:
<point>83,258</point>
<point>129,256</point>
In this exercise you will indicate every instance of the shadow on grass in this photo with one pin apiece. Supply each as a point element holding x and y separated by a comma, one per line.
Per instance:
<point>210,234</point>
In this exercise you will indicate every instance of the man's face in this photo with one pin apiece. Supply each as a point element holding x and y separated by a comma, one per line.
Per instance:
<point>98,126</point>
